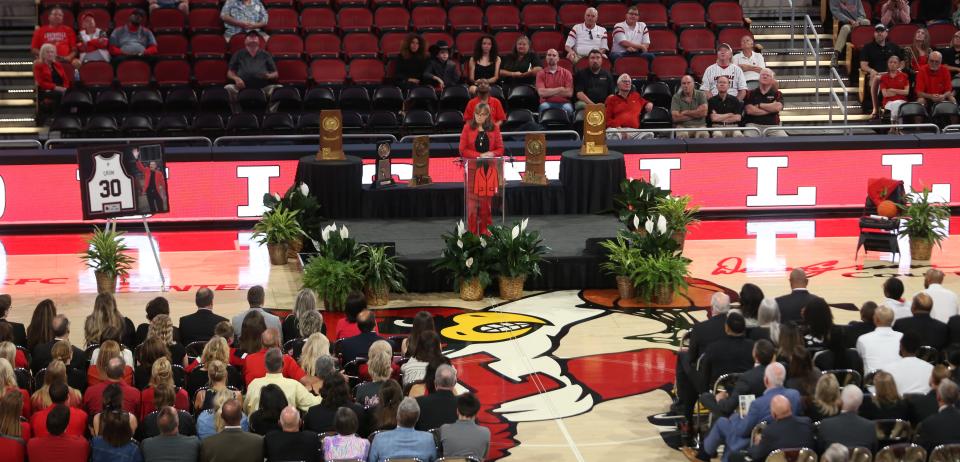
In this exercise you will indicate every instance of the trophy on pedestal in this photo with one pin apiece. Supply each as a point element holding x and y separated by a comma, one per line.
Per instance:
<point>535,150</point>
<point>421,161</point>
<point>594,131</point>
<point>331,135</point>
<point>384,177</point>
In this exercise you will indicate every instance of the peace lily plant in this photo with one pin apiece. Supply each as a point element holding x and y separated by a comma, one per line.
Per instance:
<point>467,259</point>
<point>518,254</point>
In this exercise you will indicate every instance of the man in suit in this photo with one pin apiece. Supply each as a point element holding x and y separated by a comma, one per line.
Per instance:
<point>734,432</point>
<point>932,332</point>
<point>439,407</point>
<point>256,298</point>
<point>291,443</point>
<point>170,445</point>
<point>941,428</point>
<point>19,333</point>
<point>357,346</point>
<point>748,383</point>
<point>792,304</point>
<point>199,326</point>
<point>232,444</point>
<point>464,438</point>
<point>848,428</point>
<point>732,353</point>
<point>41,356</point>
<point>953,325</point>
<point>702,334</point>
<point>864,326</point>
<point>785,431</point>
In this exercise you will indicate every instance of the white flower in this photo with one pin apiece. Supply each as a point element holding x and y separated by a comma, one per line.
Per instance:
<point>469,262</point>
<point>460,228</point>
<point>325,233</point>
<point>515,232</point>
<point>636,222</point>
<point>459,243</point>
<point>344,233</point>
<point>654,180</point>
<point>648,226</point>
<point>662,224</point>
<point>276,196</point>
<point>523,224</point>
<point>304,189</point>
<point>483,242</point>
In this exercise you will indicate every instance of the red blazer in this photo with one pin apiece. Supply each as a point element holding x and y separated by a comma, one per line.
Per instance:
<point>468,142</point>
<point>44,77</point>
<point>161,180</point>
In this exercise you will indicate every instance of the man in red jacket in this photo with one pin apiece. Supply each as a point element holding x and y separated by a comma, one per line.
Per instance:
<point>254,367</point>
<point>77,425</point>
<point>624,109</point>
<point>93,396</point>
<point>59,446</point>
<point>154,183</point>
<point>55,32</point>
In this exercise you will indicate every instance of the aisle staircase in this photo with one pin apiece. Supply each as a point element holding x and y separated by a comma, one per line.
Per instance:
<point>17,93</point>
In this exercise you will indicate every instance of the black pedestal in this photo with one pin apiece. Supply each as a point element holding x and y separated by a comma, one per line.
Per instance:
<point>335,183</point>
<point>590,182</point>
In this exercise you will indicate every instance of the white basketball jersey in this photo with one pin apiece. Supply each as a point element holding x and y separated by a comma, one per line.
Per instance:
<point>110,188</point>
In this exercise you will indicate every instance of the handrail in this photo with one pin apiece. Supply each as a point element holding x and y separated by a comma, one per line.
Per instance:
<point>951,128</point>
<point>793,19</point>
<point>225,139</point>
<point>847,128</point>
<point>835,77</point>
<point>808,45</point>
<point>69,141</point>
<point>673,131</point>
<point>504,134</point>
<point>4,144</point>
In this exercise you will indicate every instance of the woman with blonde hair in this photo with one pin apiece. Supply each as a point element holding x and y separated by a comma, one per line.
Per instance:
<point>826,398</point>
<point>210,422</point>
<point>11,408</point>
<point>8,383</point>
<point>317,345</point>
<point>62,351</point>
<point>216,383</point>
<point>40,330</point>
<point>306,301</point>
<point>216,349</point>
<point>886,402</point>
<point>97,372</point>
<point>162,327</point>
<point>919,50</point>
<point>380,368</point>
<point>56,373</point>
<point>162,376</point>
<point>105,314</point>
<point>9,351</point>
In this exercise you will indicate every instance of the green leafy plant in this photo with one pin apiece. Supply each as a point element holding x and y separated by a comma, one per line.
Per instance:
<point>337,244</point>
<point>636,201</point>
<point>680,215</point>
<point>298,198</point>
<point>277,226</point>
<point>924,218</point>
<point>333,280</point>
<point>622,256</point>
<point>657,238</point>
<point>517,251</point>
<point>105,253</point>
<point>660,272</point>
<point>382,270</point>
<point>465,255</point>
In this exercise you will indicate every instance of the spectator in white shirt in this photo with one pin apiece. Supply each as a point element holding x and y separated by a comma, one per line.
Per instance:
<point>724,66</point>
<point>880,347</point>
<point>586,36</point>
<point>750,61</point>
<point>911,374</point>
<point>631,37</point>
<point>944,300</point>
<point>893,291</point>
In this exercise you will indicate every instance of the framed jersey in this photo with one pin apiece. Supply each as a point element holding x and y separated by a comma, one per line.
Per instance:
<point>120,181</point>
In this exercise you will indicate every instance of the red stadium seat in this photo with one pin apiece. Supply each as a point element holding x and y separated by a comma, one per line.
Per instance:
<point>68,18</point>
<point>653,15</point>
<point>503,17</point>
<point>360,45</point>
<point>351,3</point>
<point>328,71</point>
<point>861,35</point>
<point>902,34</point>
<point>687,14</point>
<point>204,3</point>
<point>277,3</point>
<point>732,36</point>
<point>366,71</point>
<point>100,16</point>
<point>585,63</point>
<point>209,72</point>
<point>465,42</point>
<point>669,67</point>
<point>172,73</point>
<point>141,4</point>
<point>698,41</point>
<point>390,44</point>
<point>465,18</point>
<point>566,64</point>
<point>506,40</point>
<point>285,46</point>
<point>391,18</point>
<point>634,66</point>
<point>134,73</point>
<point>44,4</point>
<point>609,14</point>
<point>322,45</point>
<point>543,40</point>
<point>725,14</point>
<point>538,16</point>
<point>121,15</point>
<point>429,18</point>
<point>315,3</point>
<point>379,3</point>
<point>81,3</point>
<point>206,20</point>
<point>292,72</point>
<point>96,74</point>
<point>318,20</point>
<point>171,46</point>
<point>208,46</point>
<point>700,63</point>
<point>431,38</point>
<point>941,34</point>
<point>167,20</point>
<point>662,42</point>
<point>571,14</point>
<point>355,20</point>
<point>282,20</point>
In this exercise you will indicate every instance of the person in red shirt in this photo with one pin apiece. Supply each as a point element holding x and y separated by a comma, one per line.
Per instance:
<point>254,367</point>
<point>59,446</point>
<point>49,74</point>
<point>93,396</point>
<point>64,38</point>
<point>625,107</point>
<point>933,81</point>
<point>483,96</point>
<point>77,426</point>
<point>480,139</point>
<point>894,86</point>
<point>92,42</point>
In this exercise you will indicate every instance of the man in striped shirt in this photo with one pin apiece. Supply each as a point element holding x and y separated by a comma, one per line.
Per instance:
<point>631,37</point>
<point>586,36</point>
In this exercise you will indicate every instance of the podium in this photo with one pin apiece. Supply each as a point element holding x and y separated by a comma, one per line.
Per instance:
<point>483,193</point>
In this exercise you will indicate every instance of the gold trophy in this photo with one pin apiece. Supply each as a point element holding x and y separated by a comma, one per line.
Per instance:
<point>331,135</point>
<point>421,161</point>
<point>594,131</point>
<point>535,147</point>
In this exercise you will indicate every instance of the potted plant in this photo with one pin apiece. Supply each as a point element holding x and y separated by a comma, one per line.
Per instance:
<point>658,277</point>
<point>517,253</point>
<point>332,280</point>
<point>636,201</point>
<point>276,228</point>
<point>924,223</point>
<point>105,254</point>
<point>467,259</point>
<point>297,198</point>
<point>381,274</point>
<point>337,244</point>
<point>622,260</point>
<point>680,215</point>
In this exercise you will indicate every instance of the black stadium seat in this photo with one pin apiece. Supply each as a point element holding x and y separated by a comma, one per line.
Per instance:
<point>555,119</point>
<point>352,121</point>
<point>172,125</point>
<point>280,123</point>
<point>208,124</point>
<point>454,97</point>
<point>252,99</point>
<point>215,99</point>
<point>382,121</point>
<point>418,121</point>
<point>146,100</point>
<point>658,117</point>
<point>243,123</point>
<point>286,99</point>
<point>309,123</point>
<point>76,101</point>
<point>355,99</point>
<point>523,97</point>
<point>67,125</point>
<point>517,118</point>
<point>137,125</point>
<point>319,98</point>
<point>111,101</point>
<point>181,100</point>
<point>101,126</point>
<point>422,98</point>
<point>657,93</point>
<point>388,98</point>
<point>450,121</point>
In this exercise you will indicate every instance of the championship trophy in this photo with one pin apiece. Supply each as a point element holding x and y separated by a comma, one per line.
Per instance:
<point>535,147</point>
<point>384,177</point>
<point>594,131</point>
<point>331,135</point>
<point>421,161</point>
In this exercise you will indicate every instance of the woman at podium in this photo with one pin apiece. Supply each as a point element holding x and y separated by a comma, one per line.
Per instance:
<point>481,139</point>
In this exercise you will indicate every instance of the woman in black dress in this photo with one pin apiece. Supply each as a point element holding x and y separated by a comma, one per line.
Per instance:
<point>412,61</point>
<point>484,65</point>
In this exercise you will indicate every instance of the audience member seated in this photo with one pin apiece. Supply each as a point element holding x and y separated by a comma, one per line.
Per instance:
<point>873,58</point>
<point>383,415</point>
<point>593,84</point>
<point>702,334</point>
<point>895,88</point>
<point>316,345</point>
<point>887,402</point>
<point>893,298</point>
<point>786,430</point>
<point>731,353</point>
<point>148,353</point>
<point>232,442</point>
<point>792,304</point>
<point>555,85</point>
<point>242,16</point>
<point>412,61</point>
<point>895,12</point>
<point>768,321</point>
<point>941,428</point>
<point>838,355</point>
<point>57,446</point>
<point>934,82</point>
<point>97,372</point>
<point>586,37</point>
<point>750,61</point>
<point>255,295</point>
<point>325,366</point>
<point>441,71</point>
<point>521,67</point>
<point>162,327</point>
<point>763,104</point>
<point>253,67</point>
<point>162,377</point>
<point>357,302</point>
<point>58,393</point>
<point>865,325</point>
<point>291,443</point>
<point>464,438</point>
<point>624,109</point>
<point>945,302</point>
<point>56,375</point>
<point>724,110</point>
<point>51,79</point>
<point>484,64</point>
<point>930,332</point>
<point>404,441</point>
<point>115,441</point>
<point>724,66</point>
<point>422,322</point>
<point>305,302</point>
<point>132,39</point>
<point>848,428</point>
<point>918,52</point>
<point>199,326</point>
<point>12,422</point>
<point>357,346</point>
<point>380,369</point>
<point>751,296</point>
<point>497,114</point>
<point>801,375</point>
<point>274,363</point>
<point>631,37</point>
<point>345,444</point>
<point>817,324</point>
<point>689,109</point>
<point>849,14</point>
<point>951,54</point>
<point>880,347</point>
<point>155,307</point>
<point>440,406</point>
<point>211,421</point>
<point>826,399</point>
<point>336,394</point>
<point>911,374</point>
<point>170,445</point>
<point>93,396</point>
<point>8,383</point>
<point>40,329</point>
<point>182,5</point>
<point>113,402</point>
<point>428,350</point>
<point>92,42</point>
<point>926,405</point>
<point>749,382</point>
<point>8,350</point>
<point>18,332</point>
<point>60,35</point>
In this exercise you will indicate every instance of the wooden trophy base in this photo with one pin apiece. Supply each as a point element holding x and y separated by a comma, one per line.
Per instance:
<point>535,178</point>
<point>328,154</point>
<point>420,181</point>
<point>589,148</point>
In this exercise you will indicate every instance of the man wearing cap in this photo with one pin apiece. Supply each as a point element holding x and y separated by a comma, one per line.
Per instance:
<point>624,109</point>
<point>244,16</point>
<point>251,67</point>
<point>55,32</point>
<point>585,37</point>
<point>441,71</point>
<point>132,39</point>
<point>92,42</point>
<point>850,14</point>
<point>933,81</point>
<point>724,66</point>
<point>497,114</point>
<point>555,84</point>
<point>873,61</point>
